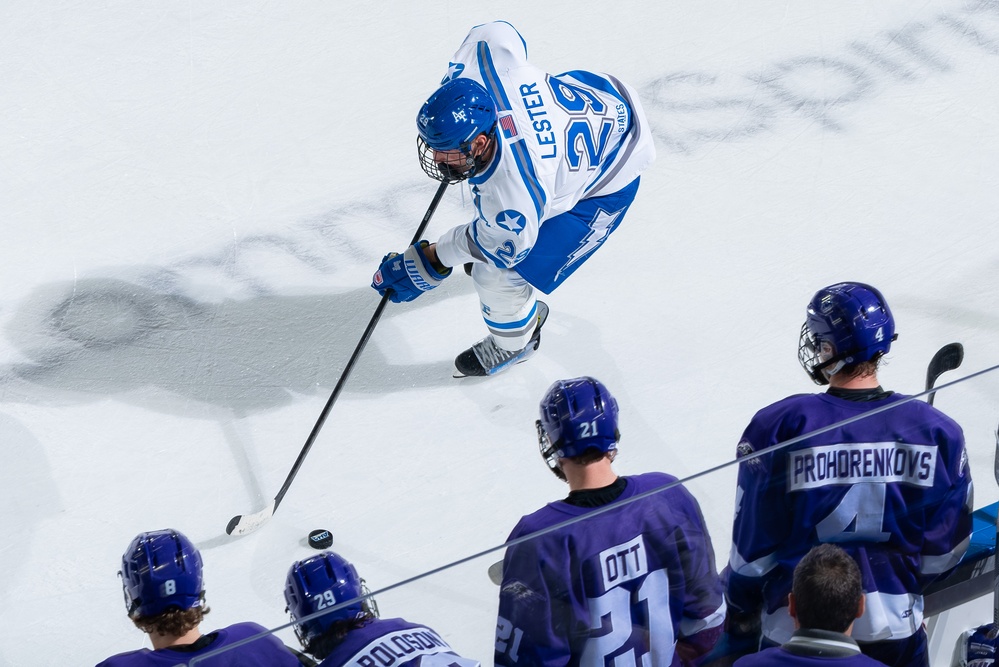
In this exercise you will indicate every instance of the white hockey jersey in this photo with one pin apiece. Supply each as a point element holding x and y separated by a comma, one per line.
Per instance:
<point>561,138</point>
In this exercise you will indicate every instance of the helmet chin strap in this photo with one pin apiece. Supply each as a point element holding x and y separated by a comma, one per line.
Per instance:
<point>453,173</point>
<point>835,368</point>
<point>472,166</point>
<point>822,372</point>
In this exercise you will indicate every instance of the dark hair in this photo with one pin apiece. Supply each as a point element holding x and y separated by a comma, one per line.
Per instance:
<point>323,645</point>
<point>827,589</point>
<point>174,622</point>
<point>592,455</point>
<point>864,369</point>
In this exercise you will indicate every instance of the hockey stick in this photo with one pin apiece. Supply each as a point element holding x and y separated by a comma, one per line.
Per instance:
<point>241,524</point>
<point>946,359</point>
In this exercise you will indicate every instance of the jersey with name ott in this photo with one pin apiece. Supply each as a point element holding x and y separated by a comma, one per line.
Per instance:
<point>893,489</point>
<point>396,642</point>
<point>263,652</point>
<point>623,584</point>
<point>560,138</point>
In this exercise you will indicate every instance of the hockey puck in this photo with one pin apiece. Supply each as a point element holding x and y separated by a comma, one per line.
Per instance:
<point>320,539</point>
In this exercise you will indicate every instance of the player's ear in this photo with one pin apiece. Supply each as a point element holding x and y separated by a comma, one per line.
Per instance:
<point>861,605</point>
<point>480,144</point>
<point>792,608</point>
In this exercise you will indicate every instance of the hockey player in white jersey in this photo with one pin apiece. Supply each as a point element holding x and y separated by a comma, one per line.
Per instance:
<point>553,161</point>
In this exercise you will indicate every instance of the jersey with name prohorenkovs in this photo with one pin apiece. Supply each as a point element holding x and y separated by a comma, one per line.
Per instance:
<point>893,489</point>
<point>624,584</point>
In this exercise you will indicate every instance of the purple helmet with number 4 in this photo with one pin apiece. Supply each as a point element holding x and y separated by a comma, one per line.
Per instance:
<point>161,570</point>
<point>576,415</point>
<point>846,324</point>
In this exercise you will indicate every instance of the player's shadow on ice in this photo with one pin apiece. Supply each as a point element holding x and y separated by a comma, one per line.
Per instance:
<point>92,338</point>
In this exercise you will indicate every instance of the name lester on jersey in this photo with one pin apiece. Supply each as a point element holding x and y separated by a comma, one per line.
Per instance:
<point>861,462</point>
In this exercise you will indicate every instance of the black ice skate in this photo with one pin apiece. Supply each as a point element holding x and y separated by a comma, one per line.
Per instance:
<point>486,358</point>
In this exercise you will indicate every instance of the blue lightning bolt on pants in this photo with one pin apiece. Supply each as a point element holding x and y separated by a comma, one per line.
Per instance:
<point>508,297</point>
<point>567,240</point>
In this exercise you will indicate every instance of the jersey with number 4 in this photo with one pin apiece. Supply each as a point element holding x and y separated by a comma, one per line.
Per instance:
<point>560,138</point>
<point>396,642</point>
<point>619,587</point>
<point>893,489</point>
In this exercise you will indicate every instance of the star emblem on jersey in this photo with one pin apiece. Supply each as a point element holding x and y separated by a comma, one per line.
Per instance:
<point>511,220</point>
<point>454,70</point>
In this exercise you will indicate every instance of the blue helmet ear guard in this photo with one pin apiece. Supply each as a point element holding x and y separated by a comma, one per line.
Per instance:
<point>324,582</point>
<point>449,120</point>
<point>160,570</point>
<point>577,415</point>
<point>846,324</point>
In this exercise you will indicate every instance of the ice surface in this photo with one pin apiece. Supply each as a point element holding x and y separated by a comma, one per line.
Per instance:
<point>194,197</point>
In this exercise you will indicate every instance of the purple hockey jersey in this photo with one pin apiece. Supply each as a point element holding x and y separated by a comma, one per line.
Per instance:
<point>268,650</point>
<point>624,585</point>
<point>393,641</point>
<point>893,490</point>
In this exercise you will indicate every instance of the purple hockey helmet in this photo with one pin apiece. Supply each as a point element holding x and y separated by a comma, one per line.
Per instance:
<point>161,570</point>
<point>576,415</point>
<point>846,324</point>
<point>322,582</point>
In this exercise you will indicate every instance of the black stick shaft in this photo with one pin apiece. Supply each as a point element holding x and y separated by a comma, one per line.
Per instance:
<point>350,362</point>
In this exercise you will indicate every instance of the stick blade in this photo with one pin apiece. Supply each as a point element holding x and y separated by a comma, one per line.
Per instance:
<point>495,572</point>
<point>947,358</point>
<point>242,524</point>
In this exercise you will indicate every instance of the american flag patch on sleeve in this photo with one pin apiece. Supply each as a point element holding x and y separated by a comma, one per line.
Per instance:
<point>508,126</point>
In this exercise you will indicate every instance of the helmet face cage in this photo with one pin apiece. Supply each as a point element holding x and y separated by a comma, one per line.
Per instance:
<point>325,582</point>
<point>161,570</point>
<point>549,452</point>
<point>809,356</point>
<point>846,324</point>
<point>443,171</point>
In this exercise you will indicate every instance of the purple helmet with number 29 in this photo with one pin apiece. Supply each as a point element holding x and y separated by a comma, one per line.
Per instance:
<point>323,582</point>
<point>576,415</point>
<point>846,324</point>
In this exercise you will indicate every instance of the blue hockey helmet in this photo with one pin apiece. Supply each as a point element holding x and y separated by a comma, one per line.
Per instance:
<point>160,570</point>
<point>846,324</point>
<point>576,415</point>
<point>449,120</point>
<point>322,582</point>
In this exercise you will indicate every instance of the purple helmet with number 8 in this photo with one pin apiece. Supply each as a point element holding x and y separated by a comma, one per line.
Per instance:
<point>846,324</point>
<point>322,582</point>
<point>576,415</point>
<point>161,570</point>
